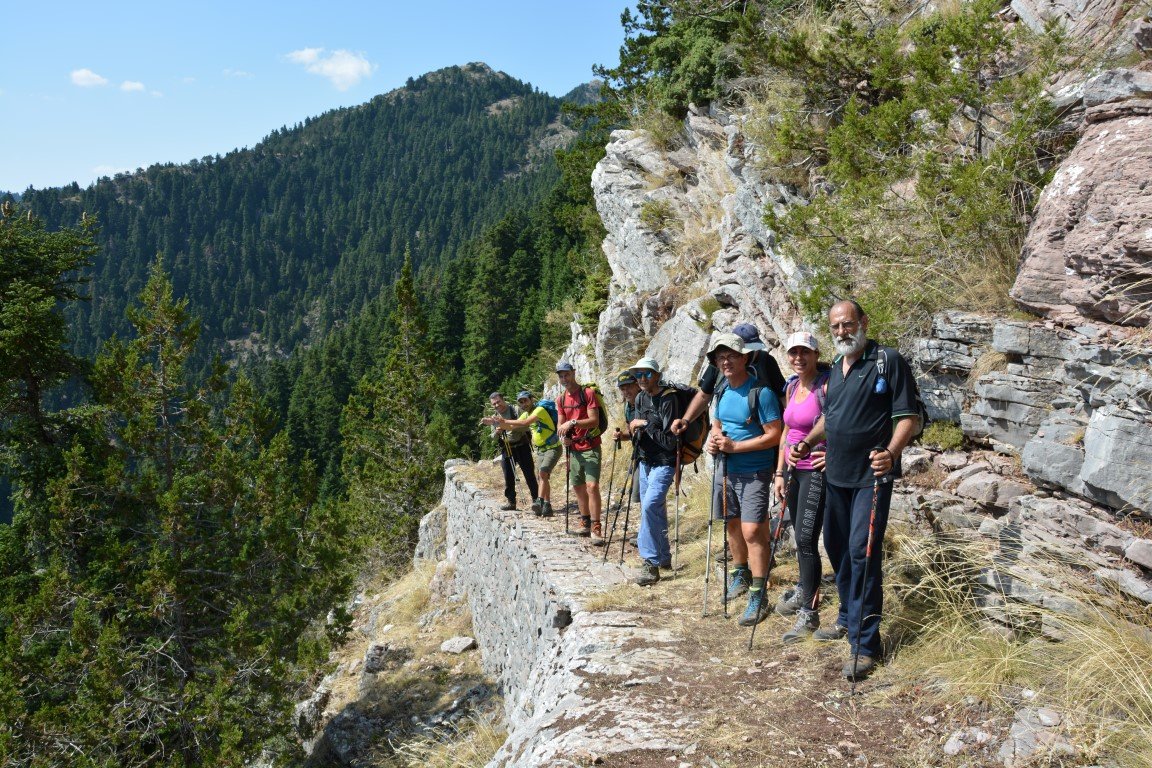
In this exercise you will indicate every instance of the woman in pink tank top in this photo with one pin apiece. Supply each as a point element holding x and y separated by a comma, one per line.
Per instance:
<point>801,483</point>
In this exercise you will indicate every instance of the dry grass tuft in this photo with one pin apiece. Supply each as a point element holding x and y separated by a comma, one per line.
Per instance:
<point>1098,675</point>
<point>987,363</point>
<point>468,743</point>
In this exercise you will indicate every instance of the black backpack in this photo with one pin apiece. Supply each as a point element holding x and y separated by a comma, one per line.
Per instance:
<point>691,439</point>
<point>918,404</point>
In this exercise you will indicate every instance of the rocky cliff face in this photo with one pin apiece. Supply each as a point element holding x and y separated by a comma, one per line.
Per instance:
<point>1062,403</point>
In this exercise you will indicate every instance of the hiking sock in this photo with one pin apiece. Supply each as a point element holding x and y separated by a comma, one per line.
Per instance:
<point>737,567</point>
<point>758,583</point>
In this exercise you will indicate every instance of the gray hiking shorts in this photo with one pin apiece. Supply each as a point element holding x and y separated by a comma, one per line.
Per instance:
<point>546,458</point>
<point>748,497</point>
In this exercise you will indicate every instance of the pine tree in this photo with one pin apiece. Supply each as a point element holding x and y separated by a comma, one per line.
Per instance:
<point>188,572</point>
<point>395,436</point>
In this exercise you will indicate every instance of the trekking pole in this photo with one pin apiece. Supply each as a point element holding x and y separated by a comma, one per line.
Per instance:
<point>509,457</point>
<point>864,581</point>
<point>708,551</point>
<point>567,484</point>
<point>626,488</point>
<point>612,472</point>
<point>628,509</point>
<point>773,547</point>
<point>724,515</point>
<point>676,507</point>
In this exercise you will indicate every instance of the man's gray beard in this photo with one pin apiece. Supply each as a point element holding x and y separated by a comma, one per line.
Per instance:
<point>853,345</point>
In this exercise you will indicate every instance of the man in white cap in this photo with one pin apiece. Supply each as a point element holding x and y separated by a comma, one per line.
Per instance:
<point>746,429</point>
<point>655,446</point>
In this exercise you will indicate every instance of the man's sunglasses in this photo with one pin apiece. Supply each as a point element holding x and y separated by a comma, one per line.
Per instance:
<point>644,374</point>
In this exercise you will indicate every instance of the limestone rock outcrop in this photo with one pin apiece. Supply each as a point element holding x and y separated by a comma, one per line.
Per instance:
<point>711,264</point>
<point>1088,254</point>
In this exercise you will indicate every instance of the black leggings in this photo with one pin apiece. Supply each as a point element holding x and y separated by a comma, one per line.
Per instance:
<point>806,508</point>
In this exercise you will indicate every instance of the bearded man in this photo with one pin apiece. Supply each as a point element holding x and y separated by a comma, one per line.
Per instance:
<point>870,415</point>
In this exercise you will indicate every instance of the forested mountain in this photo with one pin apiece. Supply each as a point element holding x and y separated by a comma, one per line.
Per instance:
<point>184,535</point>
<point>280,243</point>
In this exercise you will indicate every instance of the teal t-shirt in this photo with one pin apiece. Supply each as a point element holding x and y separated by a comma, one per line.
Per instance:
<point>732,412</point>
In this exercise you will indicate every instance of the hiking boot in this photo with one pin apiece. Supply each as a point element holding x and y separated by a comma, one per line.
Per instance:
<point>585,529</point>
<point>834,632</point>
<point>757,610</point>
<point>807,622</point>
<point>546,509</point>
<point>741,580</point>
<point>508,506</point>
<point>538,507</point>
<point>597,538</point>
<point>789,602</point>
<point>649,575</point>
<point>859,668</point>
<point>666,565</point>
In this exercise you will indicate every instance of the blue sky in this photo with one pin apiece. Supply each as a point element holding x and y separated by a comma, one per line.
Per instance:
<point>89,89</point>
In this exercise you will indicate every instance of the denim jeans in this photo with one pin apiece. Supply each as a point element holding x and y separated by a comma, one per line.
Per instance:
<point>846,515</point>
<point>652,541</point>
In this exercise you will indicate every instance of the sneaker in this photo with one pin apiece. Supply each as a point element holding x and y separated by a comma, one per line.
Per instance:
<point>758,609</point>
<point>666,565</point>
<point>859,668</point>
<point>597,538</point>
<point>741,580</point>
<point>546,509</point>
<point>508,506</point>
<point>789,602</point>
<point>538,507</point>
<point>807,622</point>
<point>649,575</point>
<point>834,632</point>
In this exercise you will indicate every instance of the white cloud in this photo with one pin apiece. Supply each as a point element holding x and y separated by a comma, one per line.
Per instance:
<point>132,85</point>
<point>239,73</point>
<point>343,69</point>
<point>86,78</point>
<point>156,94</point>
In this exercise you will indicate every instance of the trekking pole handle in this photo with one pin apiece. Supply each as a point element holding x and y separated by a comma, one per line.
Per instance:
<point>887,476</point>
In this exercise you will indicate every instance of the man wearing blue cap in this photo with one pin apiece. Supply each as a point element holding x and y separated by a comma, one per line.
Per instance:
<point>545,441</point>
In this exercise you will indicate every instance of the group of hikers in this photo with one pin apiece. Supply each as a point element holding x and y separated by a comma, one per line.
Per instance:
<point>826,442</point>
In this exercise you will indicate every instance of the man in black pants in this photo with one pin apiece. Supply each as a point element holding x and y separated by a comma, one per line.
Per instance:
<point>869,417</point>
<point>514,447</point>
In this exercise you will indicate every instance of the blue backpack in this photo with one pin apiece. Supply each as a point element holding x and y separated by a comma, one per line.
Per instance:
<point>547,429</point>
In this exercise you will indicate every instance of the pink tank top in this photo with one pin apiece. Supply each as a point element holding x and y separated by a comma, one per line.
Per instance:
<point>799,418</point>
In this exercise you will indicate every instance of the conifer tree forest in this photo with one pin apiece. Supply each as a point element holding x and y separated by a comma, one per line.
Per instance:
<point>229,384</point>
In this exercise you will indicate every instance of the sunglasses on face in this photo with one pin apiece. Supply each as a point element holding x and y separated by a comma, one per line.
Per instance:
<point>644,374</point>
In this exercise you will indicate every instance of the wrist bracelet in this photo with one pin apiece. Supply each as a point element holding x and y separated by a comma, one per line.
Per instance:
<point>802,442</point>
<point>778,474</point>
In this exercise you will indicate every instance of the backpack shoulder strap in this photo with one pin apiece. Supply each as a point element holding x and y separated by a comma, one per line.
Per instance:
<point>821,389</point>
<point>754,407</point>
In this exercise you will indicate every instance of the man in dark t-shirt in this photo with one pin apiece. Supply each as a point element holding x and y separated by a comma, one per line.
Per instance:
<point>869,417</point>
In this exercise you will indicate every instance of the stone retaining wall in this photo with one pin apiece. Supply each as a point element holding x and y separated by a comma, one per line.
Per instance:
<point>526,584</point>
